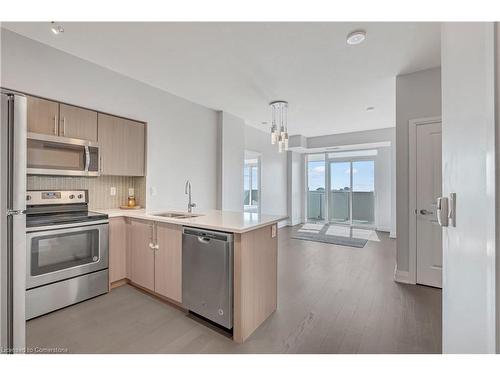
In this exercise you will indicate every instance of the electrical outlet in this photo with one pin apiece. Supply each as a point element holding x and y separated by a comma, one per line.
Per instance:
<point>153,190</point>
<point>273,231</point>
<point>112,191</point>
<point>130,192</point>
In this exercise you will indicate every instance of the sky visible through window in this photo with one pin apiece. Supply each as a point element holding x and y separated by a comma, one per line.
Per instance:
<point>363,175</point>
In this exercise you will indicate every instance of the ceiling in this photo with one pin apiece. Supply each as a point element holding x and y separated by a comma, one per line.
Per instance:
<point>241,67</point>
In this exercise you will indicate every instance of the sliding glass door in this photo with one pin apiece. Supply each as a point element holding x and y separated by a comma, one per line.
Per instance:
<point>316,183</point>
<point>350,186</point>
<point>363,192</point>
<point>340,191</point>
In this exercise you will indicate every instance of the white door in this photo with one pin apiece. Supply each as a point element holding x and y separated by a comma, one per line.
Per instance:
<point>469,152</point>
<point>428,189</point>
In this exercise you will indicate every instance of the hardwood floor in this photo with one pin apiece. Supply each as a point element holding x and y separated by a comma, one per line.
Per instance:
<point>331,299</point>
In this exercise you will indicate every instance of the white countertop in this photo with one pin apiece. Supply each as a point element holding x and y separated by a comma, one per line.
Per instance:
<point>226,221</point>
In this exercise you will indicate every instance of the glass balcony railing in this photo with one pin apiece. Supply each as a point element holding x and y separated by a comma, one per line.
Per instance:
<point>316,205</point>
<point>363,206</point>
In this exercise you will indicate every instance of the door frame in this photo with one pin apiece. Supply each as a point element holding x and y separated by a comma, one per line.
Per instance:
<point>412,190</point>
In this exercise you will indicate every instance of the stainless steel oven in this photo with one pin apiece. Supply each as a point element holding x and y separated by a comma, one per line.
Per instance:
<point>60,156</point>
<point>66,251</point>
<point>61,252</point>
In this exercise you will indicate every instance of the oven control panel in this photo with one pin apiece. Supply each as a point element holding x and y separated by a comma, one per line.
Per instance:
<point>42,197</point>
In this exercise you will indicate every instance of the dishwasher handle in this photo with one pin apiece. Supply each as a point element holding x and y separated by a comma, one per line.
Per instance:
<point>204,240</point>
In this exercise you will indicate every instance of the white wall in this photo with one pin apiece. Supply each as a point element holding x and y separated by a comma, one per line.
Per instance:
<point>273,173</point>
<point>469,151</point>
<point>418,95</point>
<point>232,157</point>
<point>181,135</point>
<point>383,189</point>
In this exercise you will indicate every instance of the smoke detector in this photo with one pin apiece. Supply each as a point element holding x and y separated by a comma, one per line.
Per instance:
<point>356,37</point>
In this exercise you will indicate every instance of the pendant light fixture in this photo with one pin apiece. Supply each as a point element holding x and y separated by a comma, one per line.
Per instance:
<point>279,125</point>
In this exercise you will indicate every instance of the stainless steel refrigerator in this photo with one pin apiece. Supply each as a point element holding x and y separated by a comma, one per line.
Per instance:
<point>13,221</point>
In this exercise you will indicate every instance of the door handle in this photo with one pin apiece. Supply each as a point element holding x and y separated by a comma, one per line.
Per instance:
<point>442,211</point>
<point>203,239</point>
<point>87,158</point>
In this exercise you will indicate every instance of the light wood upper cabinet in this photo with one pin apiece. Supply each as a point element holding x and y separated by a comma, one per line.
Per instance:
<point>76,122</point>
<point>168,261</point>
<point>142,257</point>
<point>43,116</point>
<point>121,145</point>
<point>117,249</point>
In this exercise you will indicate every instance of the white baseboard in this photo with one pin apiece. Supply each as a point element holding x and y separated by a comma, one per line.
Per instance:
<point>401,276</point>
<point>293,222</point>
<point>383,229</point>
<point>282,223</point>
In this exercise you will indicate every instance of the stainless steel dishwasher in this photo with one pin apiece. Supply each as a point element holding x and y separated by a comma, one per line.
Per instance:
<point>207,274</point>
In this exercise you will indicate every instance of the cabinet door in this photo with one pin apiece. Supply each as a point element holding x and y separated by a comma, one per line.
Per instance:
<point>168,261</point>
<point>42,116</point>
<point>121,145</point>
<point>134,146</point>
<point>142,257</point>
<point>117,249</point>
<point>77,122</point>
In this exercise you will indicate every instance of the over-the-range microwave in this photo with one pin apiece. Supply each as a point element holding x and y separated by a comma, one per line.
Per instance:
<point>60,156</point>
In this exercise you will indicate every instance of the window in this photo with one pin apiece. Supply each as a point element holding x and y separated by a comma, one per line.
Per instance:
<point>251,185</point>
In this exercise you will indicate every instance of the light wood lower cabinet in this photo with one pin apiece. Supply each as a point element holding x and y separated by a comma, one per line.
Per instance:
<point>117,249</point>
<point>142,256</point>
<point>168,261</point>
<point>148,254</point>
<point>158,268</point>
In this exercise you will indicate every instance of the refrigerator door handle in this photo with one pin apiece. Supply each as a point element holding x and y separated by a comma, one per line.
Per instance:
<point>17,153</point>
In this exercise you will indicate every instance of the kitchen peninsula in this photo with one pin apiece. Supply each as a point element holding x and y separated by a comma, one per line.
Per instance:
<point>146,252</point>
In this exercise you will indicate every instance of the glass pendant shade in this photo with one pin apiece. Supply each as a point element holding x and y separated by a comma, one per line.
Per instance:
<point>279,128</point>
<point>273,136</point>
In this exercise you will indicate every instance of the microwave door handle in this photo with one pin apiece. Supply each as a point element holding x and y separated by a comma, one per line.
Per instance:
<point>87,158</point>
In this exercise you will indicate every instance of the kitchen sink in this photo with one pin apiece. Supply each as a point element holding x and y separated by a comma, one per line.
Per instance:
<point>178,215</point>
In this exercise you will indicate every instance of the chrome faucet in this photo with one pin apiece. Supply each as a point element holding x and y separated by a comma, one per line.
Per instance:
<point>187,190</point>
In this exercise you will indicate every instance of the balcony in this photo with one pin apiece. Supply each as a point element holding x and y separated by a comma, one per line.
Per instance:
<point>363,204</point>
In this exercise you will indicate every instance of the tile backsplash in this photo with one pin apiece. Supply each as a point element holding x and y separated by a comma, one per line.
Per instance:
<point>99,188</point>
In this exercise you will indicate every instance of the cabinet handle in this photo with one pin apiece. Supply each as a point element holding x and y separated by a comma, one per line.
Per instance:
<point>64,125</point>
<point>55,125</point>
<point>101,164</point>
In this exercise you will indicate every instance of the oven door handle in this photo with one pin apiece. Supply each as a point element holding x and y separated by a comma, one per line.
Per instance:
<point>87,158</point>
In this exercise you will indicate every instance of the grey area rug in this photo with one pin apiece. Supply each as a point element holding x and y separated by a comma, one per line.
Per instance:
<point>334,234</point>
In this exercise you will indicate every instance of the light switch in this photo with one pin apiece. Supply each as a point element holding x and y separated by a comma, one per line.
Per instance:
<point>113,191</point>
<point>153,190</point>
